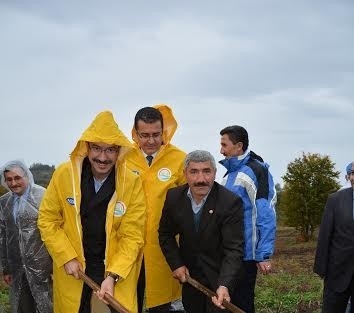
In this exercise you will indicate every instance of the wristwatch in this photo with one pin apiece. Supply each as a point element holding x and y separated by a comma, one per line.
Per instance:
<point>114,276</point>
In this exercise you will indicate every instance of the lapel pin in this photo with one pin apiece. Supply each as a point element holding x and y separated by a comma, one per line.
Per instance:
<point>211,211</point>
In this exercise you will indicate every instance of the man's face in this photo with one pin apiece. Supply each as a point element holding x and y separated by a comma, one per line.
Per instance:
<point>200,177</point>
<point>102,158</point>
<point>350,177</point>
<point>149,136</point>
<point>16,180</point>
<point>228,148</point>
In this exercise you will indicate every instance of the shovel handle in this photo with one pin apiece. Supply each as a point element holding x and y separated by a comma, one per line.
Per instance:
<point>228,305</point>
<point>95,287</point>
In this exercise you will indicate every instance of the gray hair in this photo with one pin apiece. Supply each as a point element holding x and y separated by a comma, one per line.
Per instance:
<point>199,156</point>
<point>15,164</point>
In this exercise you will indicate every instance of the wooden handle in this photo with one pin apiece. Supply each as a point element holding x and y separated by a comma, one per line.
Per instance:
<point>228,305</point>
<point>95,287</point>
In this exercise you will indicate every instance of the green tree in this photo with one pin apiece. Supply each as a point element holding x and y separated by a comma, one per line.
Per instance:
<point>307,183</point>
<point>42,173</point>
<point>280,214</point>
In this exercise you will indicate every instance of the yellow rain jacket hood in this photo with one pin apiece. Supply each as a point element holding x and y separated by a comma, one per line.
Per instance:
<point>165,172</point>
<point>60,223</point>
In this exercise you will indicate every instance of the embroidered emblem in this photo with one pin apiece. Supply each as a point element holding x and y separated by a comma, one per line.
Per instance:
<point>120,209</point>
<point>164,174</point>
<point>71,201</point>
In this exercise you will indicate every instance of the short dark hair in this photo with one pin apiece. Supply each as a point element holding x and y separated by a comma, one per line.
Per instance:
<point>236,134</point>
<point>148,115</point>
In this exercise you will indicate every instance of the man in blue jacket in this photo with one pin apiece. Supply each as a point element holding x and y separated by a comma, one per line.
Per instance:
<point>249,178</point>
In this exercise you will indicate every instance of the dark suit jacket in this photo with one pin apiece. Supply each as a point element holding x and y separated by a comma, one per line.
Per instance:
<point>216,250</point>
<point>334,259</point>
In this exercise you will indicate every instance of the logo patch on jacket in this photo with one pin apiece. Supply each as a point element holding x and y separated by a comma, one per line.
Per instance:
<point>71,201</point>
<point>119,209</point>
<point>164,174</point>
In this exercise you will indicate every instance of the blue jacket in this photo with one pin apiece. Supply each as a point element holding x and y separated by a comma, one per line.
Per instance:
<point>248,177</point>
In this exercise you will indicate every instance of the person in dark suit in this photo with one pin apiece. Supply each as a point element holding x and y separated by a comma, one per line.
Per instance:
<point>209,221</point>
<point>335,249</point>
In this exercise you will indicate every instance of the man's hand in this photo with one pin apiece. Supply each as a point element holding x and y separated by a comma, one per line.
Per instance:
<point>107,286</point>
<point>222,293</point>
<point>72,268</point>
<point>181,273</point>
<point>265,266</point>
<point>8,279</point>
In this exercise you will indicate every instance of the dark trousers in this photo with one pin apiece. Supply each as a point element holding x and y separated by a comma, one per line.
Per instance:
<point>26,301</point>
<point>96,273</point>
<point>163,308</point>
<point>336,302</point>
<point>243,295</point>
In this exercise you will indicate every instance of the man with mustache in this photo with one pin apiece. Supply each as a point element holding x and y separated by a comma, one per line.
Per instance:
<point>208,219</point>
<point>26,264</point>
<point>92,218</point>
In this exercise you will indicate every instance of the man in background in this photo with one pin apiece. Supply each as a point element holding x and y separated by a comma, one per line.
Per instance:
<point>160,166</point>
<point>27,266</point>
<point>248,177</point>
<point>335,248</point>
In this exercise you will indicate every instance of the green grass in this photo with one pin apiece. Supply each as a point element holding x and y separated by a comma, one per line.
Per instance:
<point>292,287</point>
<point>4,299</point>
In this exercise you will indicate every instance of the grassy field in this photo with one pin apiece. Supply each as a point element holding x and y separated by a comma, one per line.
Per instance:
<point>291,288</point>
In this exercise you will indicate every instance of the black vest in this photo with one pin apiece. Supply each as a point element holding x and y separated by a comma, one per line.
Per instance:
<point>93,210</point>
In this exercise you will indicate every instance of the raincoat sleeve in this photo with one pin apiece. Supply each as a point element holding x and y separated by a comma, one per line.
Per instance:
<point>53,218</point>
<point>127,239</point>
<point>3,247</point>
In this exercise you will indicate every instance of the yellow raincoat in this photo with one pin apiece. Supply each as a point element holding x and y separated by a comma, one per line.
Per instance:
<point>166,171</point>
<point>60,224</point>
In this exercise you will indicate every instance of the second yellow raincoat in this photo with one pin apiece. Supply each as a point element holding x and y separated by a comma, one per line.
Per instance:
<point>60,224</point>
<point>166,171</point>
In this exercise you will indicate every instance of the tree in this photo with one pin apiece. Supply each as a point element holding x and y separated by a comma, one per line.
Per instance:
<point>280,214</point>
<point>42,173</point>
<point>307,183</point>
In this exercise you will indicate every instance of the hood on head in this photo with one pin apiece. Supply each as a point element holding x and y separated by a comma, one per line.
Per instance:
<point>349,168</point>
<point>15,164</point>
<point>102,129</point>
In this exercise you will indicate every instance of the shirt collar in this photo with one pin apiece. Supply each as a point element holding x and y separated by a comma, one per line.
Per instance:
<point>190,196</point>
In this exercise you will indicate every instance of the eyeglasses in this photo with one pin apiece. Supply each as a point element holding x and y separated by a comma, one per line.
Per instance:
<point>99,150</point>
<point>146,136</point>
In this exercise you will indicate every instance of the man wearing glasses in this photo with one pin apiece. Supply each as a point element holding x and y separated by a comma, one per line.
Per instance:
<point>26,263</point>
<point>92,219</point>
<point>160,165</point>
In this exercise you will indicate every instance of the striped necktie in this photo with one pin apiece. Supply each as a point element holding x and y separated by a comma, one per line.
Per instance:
<point>149,159</point>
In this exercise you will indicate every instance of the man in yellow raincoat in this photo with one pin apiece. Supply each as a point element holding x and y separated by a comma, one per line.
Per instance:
<point>160,166</point>
<point>92,218</point>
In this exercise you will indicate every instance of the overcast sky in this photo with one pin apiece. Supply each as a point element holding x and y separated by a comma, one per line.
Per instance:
<point>282,69</point>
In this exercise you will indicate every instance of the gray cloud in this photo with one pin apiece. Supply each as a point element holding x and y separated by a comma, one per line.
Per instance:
<point>282,69</point>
